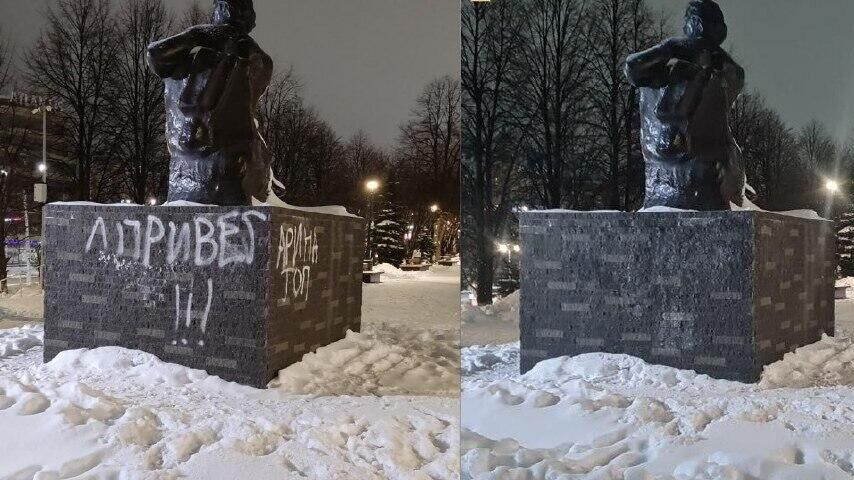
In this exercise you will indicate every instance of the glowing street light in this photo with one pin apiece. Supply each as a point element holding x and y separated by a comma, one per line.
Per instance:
<point>503,248</point>
<point>42,168</point>
<point>371,186</point>
<point>152,201</point>
<point>832,186</point>
<point>517,248</point>
<point>434,208</point>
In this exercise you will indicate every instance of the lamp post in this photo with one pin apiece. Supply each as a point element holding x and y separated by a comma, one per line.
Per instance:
<point>832,186</point>
<point>437,232</point>
<point>371,186</point>
<point>509,250</point>
<point>40,191</point>
<point>44,109</point>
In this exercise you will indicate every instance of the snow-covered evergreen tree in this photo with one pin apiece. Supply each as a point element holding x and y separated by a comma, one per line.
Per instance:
<point>425,244</point>
<point>388,235</point>
<point>845,245</point>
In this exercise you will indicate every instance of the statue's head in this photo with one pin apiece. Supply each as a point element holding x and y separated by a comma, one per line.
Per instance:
<point>705,20</point>
<point>237,13</point>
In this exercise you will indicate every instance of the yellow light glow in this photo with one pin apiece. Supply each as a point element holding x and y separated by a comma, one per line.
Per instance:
<point>832,186</point>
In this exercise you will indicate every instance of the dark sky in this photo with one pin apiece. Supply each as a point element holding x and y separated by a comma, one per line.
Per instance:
<point>363,62</point>
<point>798,53</point>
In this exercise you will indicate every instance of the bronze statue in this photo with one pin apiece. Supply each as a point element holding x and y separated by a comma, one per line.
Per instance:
<point>215,75</point>
<point>687,88</point>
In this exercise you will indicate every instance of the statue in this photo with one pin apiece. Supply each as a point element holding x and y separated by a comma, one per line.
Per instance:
<point>687,87</point>
<point>215,75</point>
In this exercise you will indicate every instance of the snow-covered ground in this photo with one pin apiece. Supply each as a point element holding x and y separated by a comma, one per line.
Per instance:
<point>381,404</point>
<point>496,323</point>
<point>608,417</point>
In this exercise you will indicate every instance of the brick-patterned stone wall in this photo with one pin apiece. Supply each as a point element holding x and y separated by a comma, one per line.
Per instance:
<point>722,293</point>
<point>238,291</point>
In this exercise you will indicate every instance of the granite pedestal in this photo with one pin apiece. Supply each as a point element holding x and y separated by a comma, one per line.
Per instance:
<point>722,293</point>
<point>241,292</point>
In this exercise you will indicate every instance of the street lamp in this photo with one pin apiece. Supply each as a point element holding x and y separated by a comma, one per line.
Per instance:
<point>832,186</point>
<point>371,186</point>
<point>43,166</point>
<point>434,208</point>
<point>152,201</point>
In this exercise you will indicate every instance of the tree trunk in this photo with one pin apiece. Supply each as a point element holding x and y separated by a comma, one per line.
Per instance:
<point>485,271</point>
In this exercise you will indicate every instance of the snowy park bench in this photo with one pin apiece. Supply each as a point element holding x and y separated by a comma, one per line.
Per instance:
<point>417,267</point>
<point>371,277</point>
<point>447,262</point>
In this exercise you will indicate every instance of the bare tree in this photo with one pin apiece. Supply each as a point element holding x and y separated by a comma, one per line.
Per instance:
<point>817,148</point>
<point>304,148</point>
<point>615,29</point>
<point>428,156</point>
<point>70,64</point>
<point>429,145</point>
<point>768,147</point>
<point>491,39</point>
<point>555,62</point>
<point>362,160</point>
<point>5,61</point>
<point>13,141</point>
<point>194,15</point>
<point>137,100</point>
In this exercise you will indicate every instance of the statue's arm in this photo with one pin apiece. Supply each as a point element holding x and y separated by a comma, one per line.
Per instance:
<point>168,56</point>
<point>735,77</point>
<point>261,68</point>
<point>650,68</point>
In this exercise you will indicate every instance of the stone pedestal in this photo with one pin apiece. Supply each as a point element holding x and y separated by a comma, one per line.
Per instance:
<point>241,292</point>
<point>722,293</point>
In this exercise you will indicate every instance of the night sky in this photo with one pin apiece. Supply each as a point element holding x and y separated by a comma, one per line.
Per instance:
<point>799,54</point>
<point>363,63</point>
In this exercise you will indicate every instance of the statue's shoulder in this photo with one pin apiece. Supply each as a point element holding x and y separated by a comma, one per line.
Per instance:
<point>249,47</point>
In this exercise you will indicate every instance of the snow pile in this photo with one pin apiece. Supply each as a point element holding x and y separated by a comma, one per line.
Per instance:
<point>394,273</point>
<point>829,362</point>
<point>384,361</point>
<point>601,416</point>
<point>18,340</point>
<point>113,413</point>
<point>845,282</point>
<point>117,413</point>
<point>140,367</point>
<point>26,302</point>
<point>501,361</point>
<point>505,310</point>
<point>496,323</point>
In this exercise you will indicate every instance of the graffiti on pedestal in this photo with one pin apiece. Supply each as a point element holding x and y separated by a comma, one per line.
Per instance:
<point>297,253</point>
<point>161,247</point>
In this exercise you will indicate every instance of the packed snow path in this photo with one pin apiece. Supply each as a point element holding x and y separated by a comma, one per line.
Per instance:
<point>376,405</point>
<point>609,417</point>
